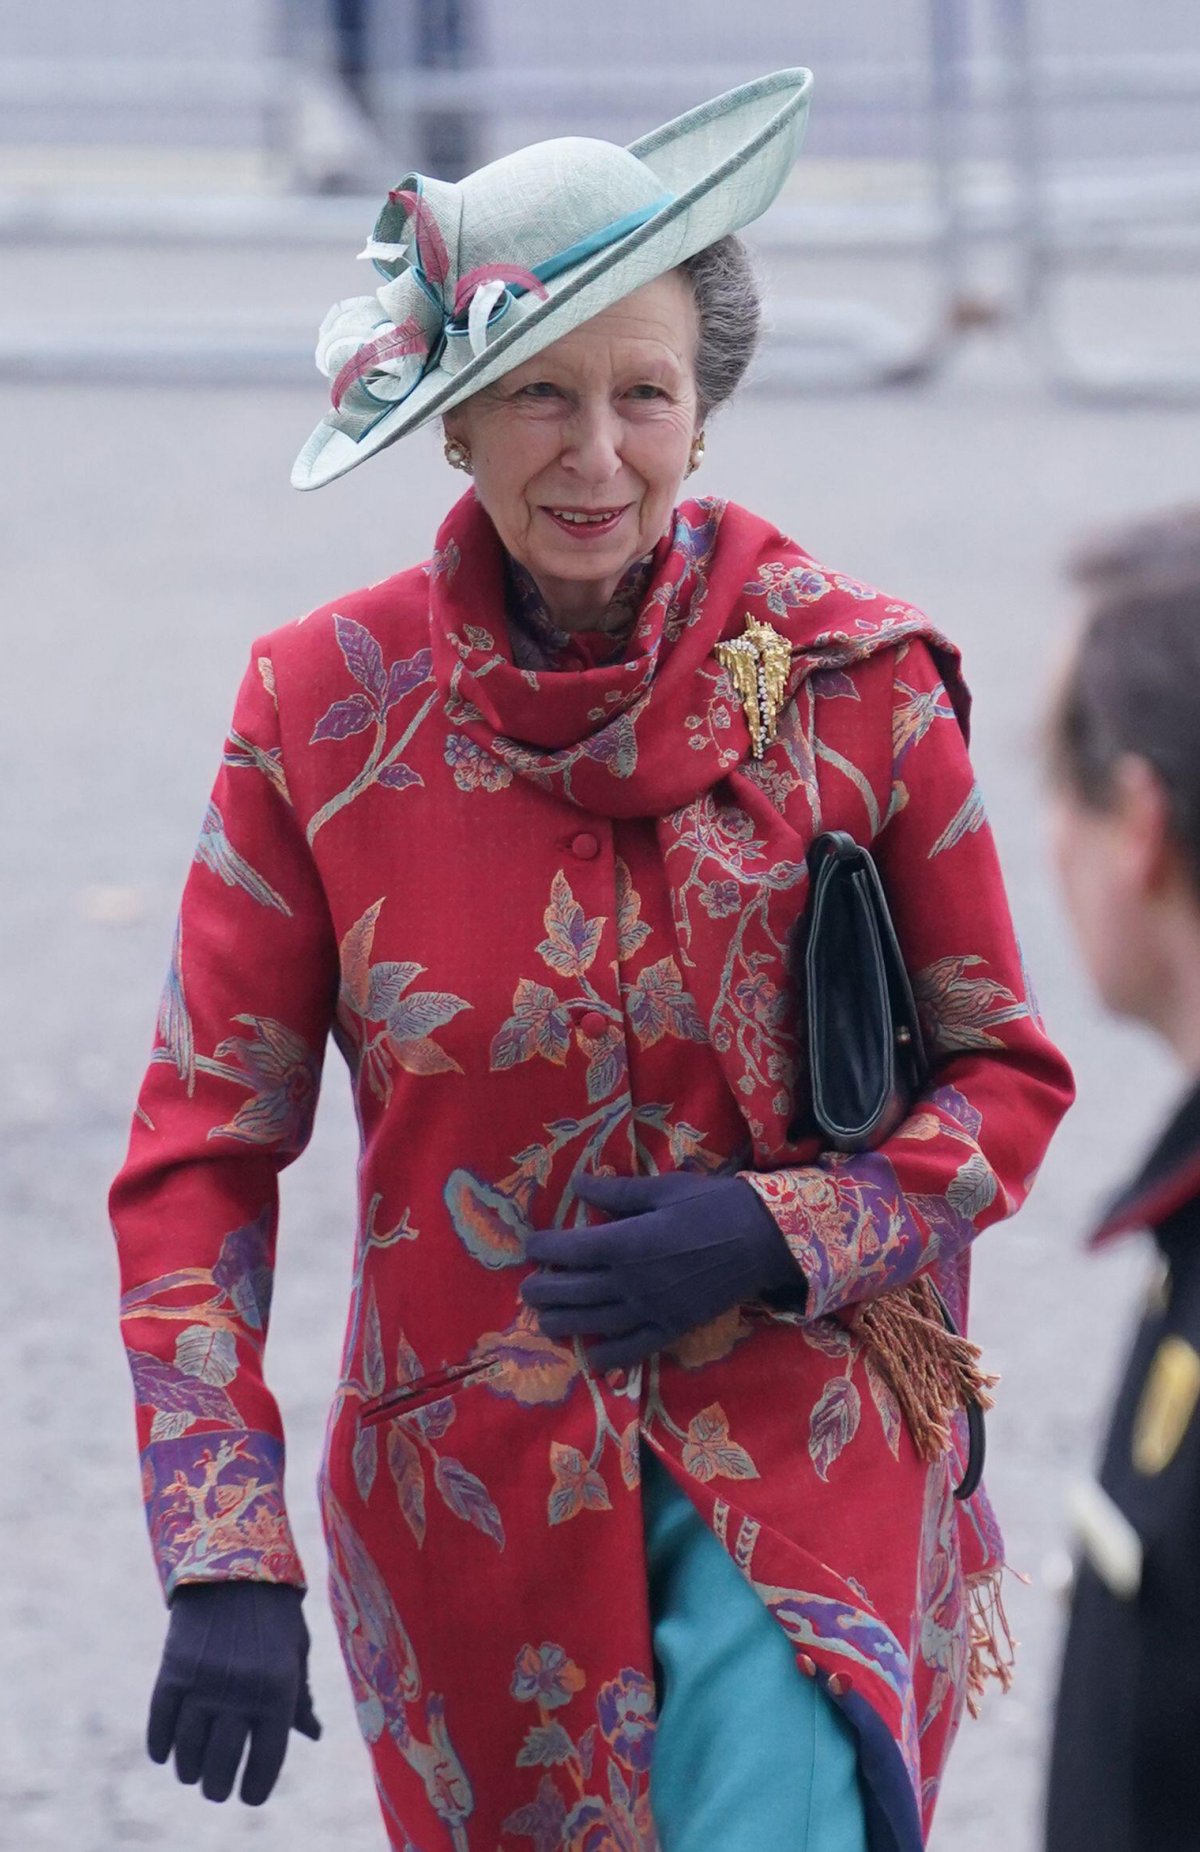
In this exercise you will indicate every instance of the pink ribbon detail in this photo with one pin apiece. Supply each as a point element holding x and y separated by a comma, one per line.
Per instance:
<point>408,338</point>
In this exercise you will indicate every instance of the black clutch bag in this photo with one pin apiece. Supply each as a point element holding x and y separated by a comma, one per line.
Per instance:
<point>866,1055</point>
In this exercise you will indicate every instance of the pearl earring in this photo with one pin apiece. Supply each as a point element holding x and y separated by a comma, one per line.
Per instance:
<point>457,455</point>
<point>696,455</point>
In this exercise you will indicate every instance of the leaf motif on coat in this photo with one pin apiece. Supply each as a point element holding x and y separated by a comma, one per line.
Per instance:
<point>955,1105</point>
<point>607,1064</point>
<point>424,1056</point>
<point>362,656</point>
<point>365,1460</point>
<point>398,776</point>
<point>169,1426</point>
<point>374,1370</point>
<point>709,1453</point>
<point>658,1005</point>
<point>386,984</point>
<point>541,1820</point>
<point>631,1461</point>
<point>920,1128</point>
<point>615,746</point>
<point>468,1498</point>
<point>546,1746</point>
<point>415,1017</point>
<point>209,1355</point>
<point>959,1011</point>
<point>969,817</point>
<point>405,675</point>
<point>972,1187</point>
<point>885,1400</point>
<point>587,1750</point>
<point>489,1224</point>
<point>833,1423</point>
<point>355,956</point>
<point>829,1337</point>
<point>632,930</point>
<point>243,1270</point>
<point>572,940</point>
<point>344,719</point>
<point>408,1477</point>
<point>158,1384</point>
<point>709,1343</point>
<point>577,1485</point>
<point>533,1370</point>
<point>539,1025</point>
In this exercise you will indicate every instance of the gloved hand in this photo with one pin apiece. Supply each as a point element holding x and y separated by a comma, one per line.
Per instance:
<point>235,1666</point>
<point>685,1248</point>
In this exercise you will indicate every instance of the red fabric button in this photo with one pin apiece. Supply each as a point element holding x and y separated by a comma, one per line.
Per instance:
<point>839,1685</point>
<point>593,1024</point>
<point>585,846</point>
<point>807,1666</point>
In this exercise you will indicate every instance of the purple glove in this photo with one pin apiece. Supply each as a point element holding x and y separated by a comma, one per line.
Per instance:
<point>235,1666</point>
<point>681,1249</point>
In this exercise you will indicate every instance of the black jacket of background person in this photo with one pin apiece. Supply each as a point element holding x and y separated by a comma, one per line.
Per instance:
<point>1125,1766</point>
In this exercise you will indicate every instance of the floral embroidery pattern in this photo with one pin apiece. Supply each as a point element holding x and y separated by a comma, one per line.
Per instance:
<point>386,1679</point>
<point>215,1509</point>
<point>621,1735</point>
<point>214,851</point>
<point>379,994</point>
<point>380,690</point>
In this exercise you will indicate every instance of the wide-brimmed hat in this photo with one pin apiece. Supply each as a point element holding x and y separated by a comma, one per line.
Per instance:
<point>481,275</point>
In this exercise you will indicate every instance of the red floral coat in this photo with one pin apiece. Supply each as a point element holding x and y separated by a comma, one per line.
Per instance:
<point>545,915</point>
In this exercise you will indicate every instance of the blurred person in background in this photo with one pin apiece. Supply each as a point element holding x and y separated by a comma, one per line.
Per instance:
<point>1125,1772</point>
<point>639,1488</point>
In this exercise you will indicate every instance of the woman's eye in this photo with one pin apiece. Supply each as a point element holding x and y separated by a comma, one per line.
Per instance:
<point>539,389</point>
<point>646,391</point>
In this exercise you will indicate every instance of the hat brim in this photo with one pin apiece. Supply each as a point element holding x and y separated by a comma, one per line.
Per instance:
<point>723,164</point>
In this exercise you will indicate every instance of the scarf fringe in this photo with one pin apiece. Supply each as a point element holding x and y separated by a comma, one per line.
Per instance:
<point>932,1370</point>
<point>992,1647</point>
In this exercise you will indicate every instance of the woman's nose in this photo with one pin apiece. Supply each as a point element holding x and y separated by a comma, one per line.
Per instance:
<point>593,443</point>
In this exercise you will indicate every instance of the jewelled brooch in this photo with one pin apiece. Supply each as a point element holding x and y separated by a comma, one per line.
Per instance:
<point>757,664</point>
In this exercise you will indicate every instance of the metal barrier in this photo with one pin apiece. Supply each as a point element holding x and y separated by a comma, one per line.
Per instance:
<point>319,91</point>
<point>1106,167</point>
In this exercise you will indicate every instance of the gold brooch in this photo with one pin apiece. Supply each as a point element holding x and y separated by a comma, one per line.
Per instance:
<point>757,664</point>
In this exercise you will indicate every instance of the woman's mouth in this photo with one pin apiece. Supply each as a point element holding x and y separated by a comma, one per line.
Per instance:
<point>585,523</point>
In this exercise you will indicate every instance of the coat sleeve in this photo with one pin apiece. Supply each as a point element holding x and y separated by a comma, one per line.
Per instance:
<point>227,1101</point>
<point>968,1154</point>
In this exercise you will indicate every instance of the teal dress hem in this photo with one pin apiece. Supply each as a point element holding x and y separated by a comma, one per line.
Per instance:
<point>749,1754</point>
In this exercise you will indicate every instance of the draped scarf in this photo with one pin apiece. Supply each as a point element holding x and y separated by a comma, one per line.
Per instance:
<point>660,733</point>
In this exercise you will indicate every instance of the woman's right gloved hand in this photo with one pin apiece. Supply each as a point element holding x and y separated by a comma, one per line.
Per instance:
<point>234,1669</point>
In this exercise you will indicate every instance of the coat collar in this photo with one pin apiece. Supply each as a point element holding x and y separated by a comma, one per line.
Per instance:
<point>1168,1182</point>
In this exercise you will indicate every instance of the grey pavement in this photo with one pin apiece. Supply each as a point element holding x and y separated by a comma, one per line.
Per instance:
<point>148,535</point>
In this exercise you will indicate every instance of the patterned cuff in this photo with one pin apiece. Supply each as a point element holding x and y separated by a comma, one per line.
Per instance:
<point>789,1195</point>
<point>214,1505</point>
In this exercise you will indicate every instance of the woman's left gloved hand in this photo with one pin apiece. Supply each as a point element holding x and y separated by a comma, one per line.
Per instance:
<point>680,1249</point>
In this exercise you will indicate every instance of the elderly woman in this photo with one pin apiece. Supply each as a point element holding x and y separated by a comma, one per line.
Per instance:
<point>646,1433</point>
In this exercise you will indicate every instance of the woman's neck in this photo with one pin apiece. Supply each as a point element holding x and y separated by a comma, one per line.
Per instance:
<point>571,605</point>
<point>583,605</point>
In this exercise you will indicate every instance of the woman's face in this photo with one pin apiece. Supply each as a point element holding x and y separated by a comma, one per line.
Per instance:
<point>578,454</point>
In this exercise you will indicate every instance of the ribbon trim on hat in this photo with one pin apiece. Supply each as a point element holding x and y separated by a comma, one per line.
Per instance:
<point>389,358</point>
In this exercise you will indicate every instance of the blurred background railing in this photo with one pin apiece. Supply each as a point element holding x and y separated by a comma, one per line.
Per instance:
<point>1024,161</point>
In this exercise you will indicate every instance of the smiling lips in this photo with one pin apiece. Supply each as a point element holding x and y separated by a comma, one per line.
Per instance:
<point>584,523</point>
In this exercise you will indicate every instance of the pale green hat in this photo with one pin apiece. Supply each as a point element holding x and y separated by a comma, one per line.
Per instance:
<point>481,275</point>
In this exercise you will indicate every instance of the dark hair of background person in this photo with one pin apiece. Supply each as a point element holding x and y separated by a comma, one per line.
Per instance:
<point>1133,685</point>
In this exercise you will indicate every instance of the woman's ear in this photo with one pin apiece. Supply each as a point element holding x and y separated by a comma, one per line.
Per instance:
<point>1145,846</point>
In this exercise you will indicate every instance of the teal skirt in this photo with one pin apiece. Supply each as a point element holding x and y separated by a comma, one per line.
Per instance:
<point>749,1755</point>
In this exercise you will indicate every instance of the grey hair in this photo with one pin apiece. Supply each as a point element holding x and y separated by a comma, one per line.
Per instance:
<point>729,305</point>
